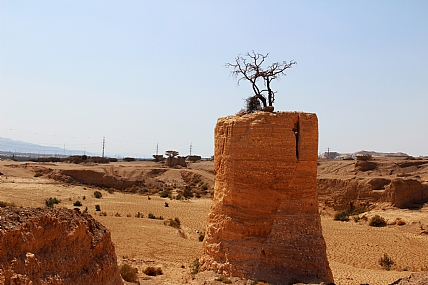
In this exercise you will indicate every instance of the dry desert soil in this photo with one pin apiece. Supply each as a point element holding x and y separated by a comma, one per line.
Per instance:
<point>353,248</point>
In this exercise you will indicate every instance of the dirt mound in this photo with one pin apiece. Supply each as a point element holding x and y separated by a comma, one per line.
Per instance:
<point>55,246</point>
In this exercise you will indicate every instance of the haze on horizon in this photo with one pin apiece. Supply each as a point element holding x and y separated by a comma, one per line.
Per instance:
<point>142,73</point>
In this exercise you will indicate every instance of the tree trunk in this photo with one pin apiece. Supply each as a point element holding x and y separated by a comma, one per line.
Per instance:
<point>262,99</point>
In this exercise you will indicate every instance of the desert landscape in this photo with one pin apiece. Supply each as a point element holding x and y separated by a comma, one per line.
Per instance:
<point>353,248</point>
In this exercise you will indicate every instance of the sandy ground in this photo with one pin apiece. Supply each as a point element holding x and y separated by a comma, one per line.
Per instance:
<point>353,249</point>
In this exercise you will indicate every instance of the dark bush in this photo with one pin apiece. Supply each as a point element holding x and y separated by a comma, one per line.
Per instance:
<point>204,187</point>
<point>49,159</point>
<point>165,193</point>
<point>97,208</point>
<point>194,267</point>
<point>341,216</point>
<point>97,159</point>
<point>98,194</point>
<point>173,223</point>
<point>386,262</point>
<point>77,204</point>
<point>187,193</point>
<point>377,221</point>
<point>6,204</point>
<point>151,216</point>
<point>153,271</point>
<point>350,211</point>
<point>201,237</point>
<point>252,104</point>
<point>129,159</point>
<point>128,273</point>
<point>51,202</point>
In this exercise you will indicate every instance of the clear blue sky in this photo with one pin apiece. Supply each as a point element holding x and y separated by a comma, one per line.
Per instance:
<point>145,72</point>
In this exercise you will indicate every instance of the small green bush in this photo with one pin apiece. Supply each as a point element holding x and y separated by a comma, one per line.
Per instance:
<point>51,202</point>
<point>151,216</point>
<point>194,267</point>
<point>77,204</point>
<point>97,208</point>
<point>98,194</point>
<point>128,273</point>
<point>377,221</point>
<point>153,271</point>
<point>386,262</point>
<point>204,187</point>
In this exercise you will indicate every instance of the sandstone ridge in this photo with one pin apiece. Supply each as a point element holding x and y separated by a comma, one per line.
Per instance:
<point>55,246</point>
<point>264,222</point>
<point>398,183</point>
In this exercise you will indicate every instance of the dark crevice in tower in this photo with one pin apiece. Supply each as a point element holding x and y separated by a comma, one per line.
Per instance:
<point>296,131</point>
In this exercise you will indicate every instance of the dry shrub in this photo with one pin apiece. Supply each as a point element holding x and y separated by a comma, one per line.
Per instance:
<point>4,204</point>
<point>153,271</point>
<point>386,262</point>
<point>128,273</point>
<point>173,223</point>
<point>377,221</point>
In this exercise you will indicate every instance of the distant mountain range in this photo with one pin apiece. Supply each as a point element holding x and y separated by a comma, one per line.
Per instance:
<point>12,147</point>
<point>336,155</point>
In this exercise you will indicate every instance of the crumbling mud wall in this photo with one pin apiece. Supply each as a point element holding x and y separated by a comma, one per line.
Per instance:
<point>264,222</point>
<point>55,246</point>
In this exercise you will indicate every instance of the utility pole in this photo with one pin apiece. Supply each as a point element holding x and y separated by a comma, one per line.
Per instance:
<point>328,153</point>
<point>190,149</point>
<point>157,149</point>
<point>104,143</point>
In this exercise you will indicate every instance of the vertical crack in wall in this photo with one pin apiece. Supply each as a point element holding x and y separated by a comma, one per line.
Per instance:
<point>296,131</point>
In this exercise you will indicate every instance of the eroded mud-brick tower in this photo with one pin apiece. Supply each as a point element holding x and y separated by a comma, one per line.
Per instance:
<point>264,222</point>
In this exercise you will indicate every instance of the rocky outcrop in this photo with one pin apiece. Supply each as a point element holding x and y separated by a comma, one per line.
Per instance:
<point>418,278</point>
<point>264,222</point>
<point>365,165</point>
<point>398,192</point>
<point>55,246</point>
<point>174,161</point>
